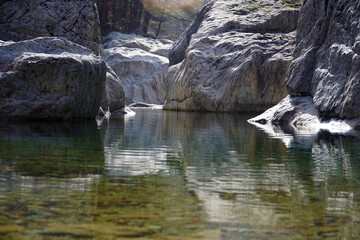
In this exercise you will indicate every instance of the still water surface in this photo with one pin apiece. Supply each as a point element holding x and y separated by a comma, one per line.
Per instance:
<point>176,175</point>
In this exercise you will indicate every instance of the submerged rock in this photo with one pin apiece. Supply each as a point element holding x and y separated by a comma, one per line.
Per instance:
<point>49,78</point>
<point>236,60</point>
<point>141,73</point>
<point>77,21</point>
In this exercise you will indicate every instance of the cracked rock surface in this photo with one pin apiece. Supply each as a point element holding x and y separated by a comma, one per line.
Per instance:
<point>325,73</point>
<point>326,59</point>
<point>77,21</point>
<point>235,59</point>
<point>49,79</point>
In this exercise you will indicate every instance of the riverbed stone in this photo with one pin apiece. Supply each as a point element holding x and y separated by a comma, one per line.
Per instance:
<point>77,21</point>
<point>236,60</point>
<point>49,78</point>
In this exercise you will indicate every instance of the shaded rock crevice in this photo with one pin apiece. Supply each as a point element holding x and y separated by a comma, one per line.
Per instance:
<point>23,20</point>
<point>49,79</point>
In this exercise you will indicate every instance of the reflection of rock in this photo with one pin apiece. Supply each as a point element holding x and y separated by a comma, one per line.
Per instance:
<point>239,174</point>
<point>141,64</point>
<point>66,150</point>
<point>77,21</point>
<point>142,131</point>
<point>49,78</point>
<point>237,59</point>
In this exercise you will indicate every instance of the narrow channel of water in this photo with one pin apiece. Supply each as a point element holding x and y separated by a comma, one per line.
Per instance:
<point>176,175</point>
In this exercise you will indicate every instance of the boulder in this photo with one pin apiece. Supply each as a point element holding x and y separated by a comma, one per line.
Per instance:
<point>77,21</point>
<point>326,62</point>
<point>299,115</point>
<point>141,73</point>
<point>114,97</point>
<point>237,60</point>
<point>49,78</point>
<point>156,46</point>
<point>325,73</point>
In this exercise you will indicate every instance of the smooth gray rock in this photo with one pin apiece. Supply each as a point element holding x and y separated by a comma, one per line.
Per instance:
<point>326,62</point>
<point>301,116</point>
<point>49,78</point>
<point>237,60</point>
<point>77,21</point>
<point>141,73</point>
<point>177,52</point>
<point>114,97</point>
<point>156,46</point>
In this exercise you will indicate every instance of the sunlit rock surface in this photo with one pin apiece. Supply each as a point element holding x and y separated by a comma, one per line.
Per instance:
<point>141,73</point>
<point>236,61</point>
<point>323,80</point>
<point>300,115</point>
<point>77,21</point>
<point>49,78</point>
<point>326,62</point>
<point>156,46</point>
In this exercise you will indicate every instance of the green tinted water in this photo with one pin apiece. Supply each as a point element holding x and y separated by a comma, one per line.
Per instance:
<point>176,175</point>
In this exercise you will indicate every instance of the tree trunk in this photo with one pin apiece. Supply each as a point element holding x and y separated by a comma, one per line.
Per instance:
<point>160,22</point>
<point>145,21</point>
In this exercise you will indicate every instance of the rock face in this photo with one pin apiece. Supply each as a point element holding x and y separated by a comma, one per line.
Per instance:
<point>156,46</point>
<point>114,96</point>
<point>77,21</point>
<point>49,78</point>
<point>327,62</point>
<point>325,73</point>
<point>236,61</point>
<point>299,115</point>
<point>177,52</point>
<point>142,73</point>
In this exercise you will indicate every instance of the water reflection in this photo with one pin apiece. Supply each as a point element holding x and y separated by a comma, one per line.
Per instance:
<point>51,150</point>
<point>177,175</point>
<point>250,184</point>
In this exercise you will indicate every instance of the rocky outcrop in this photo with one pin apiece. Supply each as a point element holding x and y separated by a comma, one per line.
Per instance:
<point>141,71</point>
<point>77,21</point>
<point>114,97</point>
<point>236,61</point>
<point>325,73</point>
<point>156,46</point>
<point>49,78</point>
<point>327,63</point>
<point>177,52</point>
<point>299,114</point>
